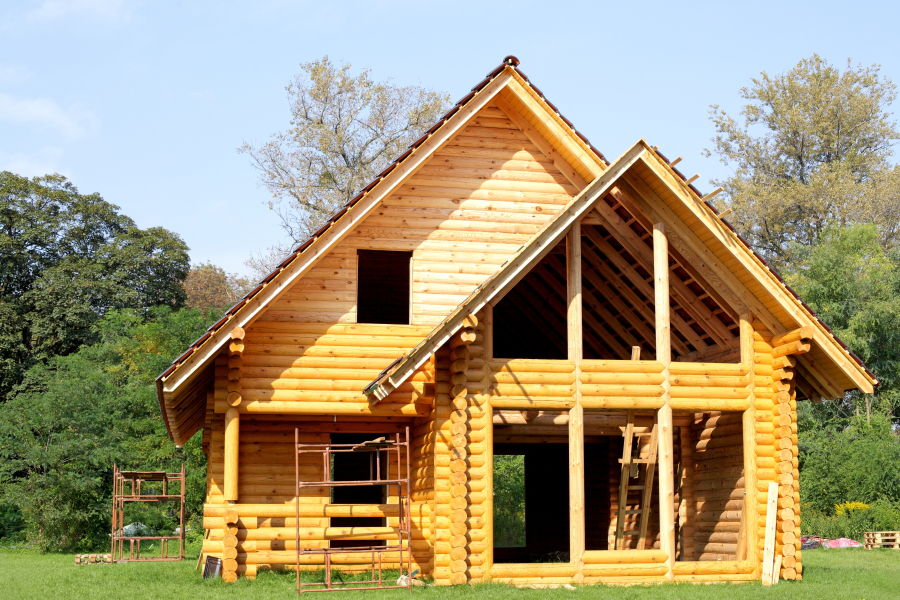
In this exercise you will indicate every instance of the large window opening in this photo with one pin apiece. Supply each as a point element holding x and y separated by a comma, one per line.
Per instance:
<point>530,321</point>
<point>383,294</point>
<point>539,517</point>
<point>356,466</point>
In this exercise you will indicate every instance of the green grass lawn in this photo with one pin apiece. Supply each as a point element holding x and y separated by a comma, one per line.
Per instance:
<point>849,574</point>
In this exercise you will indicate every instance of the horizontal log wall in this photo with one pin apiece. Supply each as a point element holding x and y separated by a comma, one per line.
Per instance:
<point>717,487</point>
<point>322,368</point>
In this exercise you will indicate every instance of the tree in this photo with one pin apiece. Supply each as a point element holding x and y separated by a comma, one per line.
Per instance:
<point>812,152</point>
<point>208,286</point>
<point>65,260</point>
<point>854,286</point>
<point>79,414</point>
<point>344,130</point>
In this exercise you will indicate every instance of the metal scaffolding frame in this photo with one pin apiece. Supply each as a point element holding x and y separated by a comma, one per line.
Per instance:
<point>375,448</point>
<point>126,489</point>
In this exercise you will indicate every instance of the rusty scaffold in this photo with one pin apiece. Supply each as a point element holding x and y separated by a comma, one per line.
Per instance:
<point>132,486</point>
<point>382,453</point>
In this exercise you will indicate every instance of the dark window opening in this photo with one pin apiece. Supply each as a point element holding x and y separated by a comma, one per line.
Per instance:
<point>530,321</point>
<point>355,466</point>
<point>383,294</point>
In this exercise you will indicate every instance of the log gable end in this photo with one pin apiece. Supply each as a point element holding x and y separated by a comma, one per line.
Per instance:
<point>668,330</point>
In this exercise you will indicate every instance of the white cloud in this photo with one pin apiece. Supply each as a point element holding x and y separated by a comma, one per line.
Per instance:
<point>41,162</point>
<point>72,123</point>
<point>112,10</point>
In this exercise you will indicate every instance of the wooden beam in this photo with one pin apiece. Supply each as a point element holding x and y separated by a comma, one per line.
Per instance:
<point>664,417</point>
<point>639,282</point>
<point>685,241</point>
<point>576,414</point>
<point>685,298</point>
<point>232,444</point>
<point>624,195</point>
<point>619,294</point>
<point>546,276</point>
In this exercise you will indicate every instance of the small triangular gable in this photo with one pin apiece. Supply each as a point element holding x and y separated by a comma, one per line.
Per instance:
<point>716,278</point>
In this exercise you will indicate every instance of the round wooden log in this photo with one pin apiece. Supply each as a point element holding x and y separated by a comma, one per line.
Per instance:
<point>229,576</point>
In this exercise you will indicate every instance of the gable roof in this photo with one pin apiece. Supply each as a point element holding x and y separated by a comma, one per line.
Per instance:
<point>553,232</point>
<point>186,380</point>
<point>187,367</point>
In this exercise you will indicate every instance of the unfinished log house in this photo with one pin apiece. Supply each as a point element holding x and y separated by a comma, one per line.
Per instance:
<point>504,289</point>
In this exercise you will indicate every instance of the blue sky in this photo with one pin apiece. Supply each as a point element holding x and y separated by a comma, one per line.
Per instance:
<point>145,102</point>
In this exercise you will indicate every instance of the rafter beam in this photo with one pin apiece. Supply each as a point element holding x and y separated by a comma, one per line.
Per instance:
<point>645,288</point>
<point>629,294</point>
<point>686,298</point>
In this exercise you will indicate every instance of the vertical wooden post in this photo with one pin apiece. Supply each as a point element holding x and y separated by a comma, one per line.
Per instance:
<point>232,415</point>
<point>664,355</point>
<point>576,414</point>
<point>750,534</point>
<point>487,314</point>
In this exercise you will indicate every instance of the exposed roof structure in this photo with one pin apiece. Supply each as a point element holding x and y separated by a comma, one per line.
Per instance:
<point>612,196</point>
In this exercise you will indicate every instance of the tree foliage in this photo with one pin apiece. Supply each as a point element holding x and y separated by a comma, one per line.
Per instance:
<point>65,260</point>
<point>79,414</point>
<point>208,286</point>
<point>344,130</point>
<point>854,286</point>
<point>509,501</point>
<point>812,153</point>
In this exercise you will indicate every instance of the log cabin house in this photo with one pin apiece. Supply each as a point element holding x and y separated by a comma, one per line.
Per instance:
<point>504,289</point>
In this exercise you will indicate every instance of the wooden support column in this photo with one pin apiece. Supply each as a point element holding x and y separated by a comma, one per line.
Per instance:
<point>232,416</point>
<point>664,355</point>
<point>576,414</point>
<point>751,532</point>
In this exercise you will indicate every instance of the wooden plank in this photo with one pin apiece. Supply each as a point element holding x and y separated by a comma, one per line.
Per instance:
<point>538,140</point>
<point>518,266</point>
<point>768,565</point>
<point>549,120</point>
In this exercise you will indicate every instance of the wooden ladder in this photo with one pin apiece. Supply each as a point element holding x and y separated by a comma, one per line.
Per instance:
<point>631,469</point>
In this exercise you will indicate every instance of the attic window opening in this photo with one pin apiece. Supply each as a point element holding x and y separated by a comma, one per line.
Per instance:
<point>383,294</point>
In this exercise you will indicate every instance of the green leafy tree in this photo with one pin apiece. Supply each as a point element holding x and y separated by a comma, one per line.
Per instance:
<point>509,501</point>
<point>65,260</point>
<point>344,130</point>
<point>812,152</point>
<point>80,414</point>
<point>853,283</point>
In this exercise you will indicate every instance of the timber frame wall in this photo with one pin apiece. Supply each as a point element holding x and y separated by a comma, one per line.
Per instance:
<point>653,305</point>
